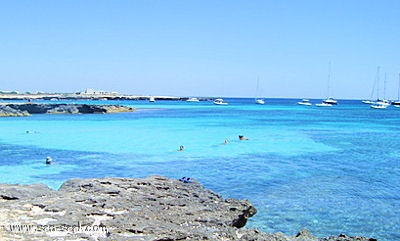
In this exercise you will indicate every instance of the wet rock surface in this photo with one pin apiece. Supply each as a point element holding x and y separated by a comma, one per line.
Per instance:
<point>153,208</point>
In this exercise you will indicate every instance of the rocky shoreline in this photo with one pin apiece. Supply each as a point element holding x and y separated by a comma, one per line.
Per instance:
<point>26,109</point>
<point>153,208</point>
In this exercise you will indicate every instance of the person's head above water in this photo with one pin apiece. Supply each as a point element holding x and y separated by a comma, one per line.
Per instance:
<point>48,160</point>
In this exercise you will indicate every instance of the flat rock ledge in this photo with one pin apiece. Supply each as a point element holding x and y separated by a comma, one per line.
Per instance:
<point>26,109</point>
<point>153,208</point>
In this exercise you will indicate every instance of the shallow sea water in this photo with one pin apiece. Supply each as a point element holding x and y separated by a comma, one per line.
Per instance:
<point>331,170</point>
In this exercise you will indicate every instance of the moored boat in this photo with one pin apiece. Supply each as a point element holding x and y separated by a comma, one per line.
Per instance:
<point>304,102</point>
<point>330,101</point>
<point>368,102</point>
<point>260,101</point>
<point>257,100</point>
<point>378,106</point>
<point>383,102</point>
<point>193,99</point>
<point>396,103</point>
<point>323,104</point>
<point>219,101</point>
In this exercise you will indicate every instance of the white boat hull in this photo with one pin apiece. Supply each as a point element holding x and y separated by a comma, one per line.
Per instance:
<point>378,106</point>
<point>302,103</point>
<point>219,102</point>
<point>368,102</point>
<point>330,101</point>
<point>323,105</point>
<point>383,103</point>
<point>193,99</point>
<point>260,102</point>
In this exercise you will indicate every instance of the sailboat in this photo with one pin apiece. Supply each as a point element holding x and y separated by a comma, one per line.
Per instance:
<point>397,102</point>
<point>328,102</point>
<point>384,101</point>
<point>258,100</point>
<point>380,104</point>
<point>370,101</point>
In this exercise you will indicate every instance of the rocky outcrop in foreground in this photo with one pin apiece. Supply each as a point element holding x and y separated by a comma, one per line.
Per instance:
<point>153,208</point>
<point>32,108</point>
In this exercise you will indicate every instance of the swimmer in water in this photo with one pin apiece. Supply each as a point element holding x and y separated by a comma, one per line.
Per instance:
<point>48,160</point>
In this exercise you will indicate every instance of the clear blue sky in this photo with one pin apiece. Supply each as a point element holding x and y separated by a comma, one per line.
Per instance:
<point>201,47</point>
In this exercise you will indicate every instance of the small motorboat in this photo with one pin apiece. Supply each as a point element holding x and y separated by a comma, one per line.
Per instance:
<point>219,101</point>
<point>304,102</point>
<point>323,104</point>
<point>260,101</point>
<point>193,99</point>
<point>368,102</point>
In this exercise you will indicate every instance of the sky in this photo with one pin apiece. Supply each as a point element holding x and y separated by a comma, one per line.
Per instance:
<point>218,48</point>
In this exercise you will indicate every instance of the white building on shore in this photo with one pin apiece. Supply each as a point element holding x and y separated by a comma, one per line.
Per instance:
<point>90,91</point>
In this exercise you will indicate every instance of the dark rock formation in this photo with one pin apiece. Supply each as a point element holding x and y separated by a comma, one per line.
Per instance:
<point>6,111</point>
<point>154,208</point>
<point>33,108</point>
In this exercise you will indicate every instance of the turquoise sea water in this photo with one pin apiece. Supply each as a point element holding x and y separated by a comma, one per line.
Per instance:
<point>331,170</point>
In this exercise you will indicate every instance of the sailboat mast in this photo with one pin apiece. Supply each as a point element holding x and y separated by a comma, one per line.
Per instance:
<point>374,85</point>
<point>384,88</point>
<point>377,82</point>
<point>398,89</point>
<point>257,87</point>
<point>329,79</point>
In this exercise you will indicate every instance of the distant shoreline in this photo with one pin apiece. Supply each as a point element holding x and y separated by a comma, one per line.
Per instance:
<point>74,96</point>
<point>116,96</point>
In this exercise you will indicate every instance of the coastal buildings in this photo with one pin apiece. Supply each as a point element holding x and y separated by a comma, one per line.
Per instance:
<point>90,91</point>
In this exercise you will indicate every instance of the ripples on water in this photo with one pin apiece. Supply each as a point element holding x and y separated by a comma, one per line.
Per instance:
<point>333,170</point>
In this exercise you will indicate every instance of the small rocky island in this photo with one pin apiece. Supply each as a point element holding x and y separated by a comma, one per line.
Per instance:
<point>26,109</point>
<point>153,208</point>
